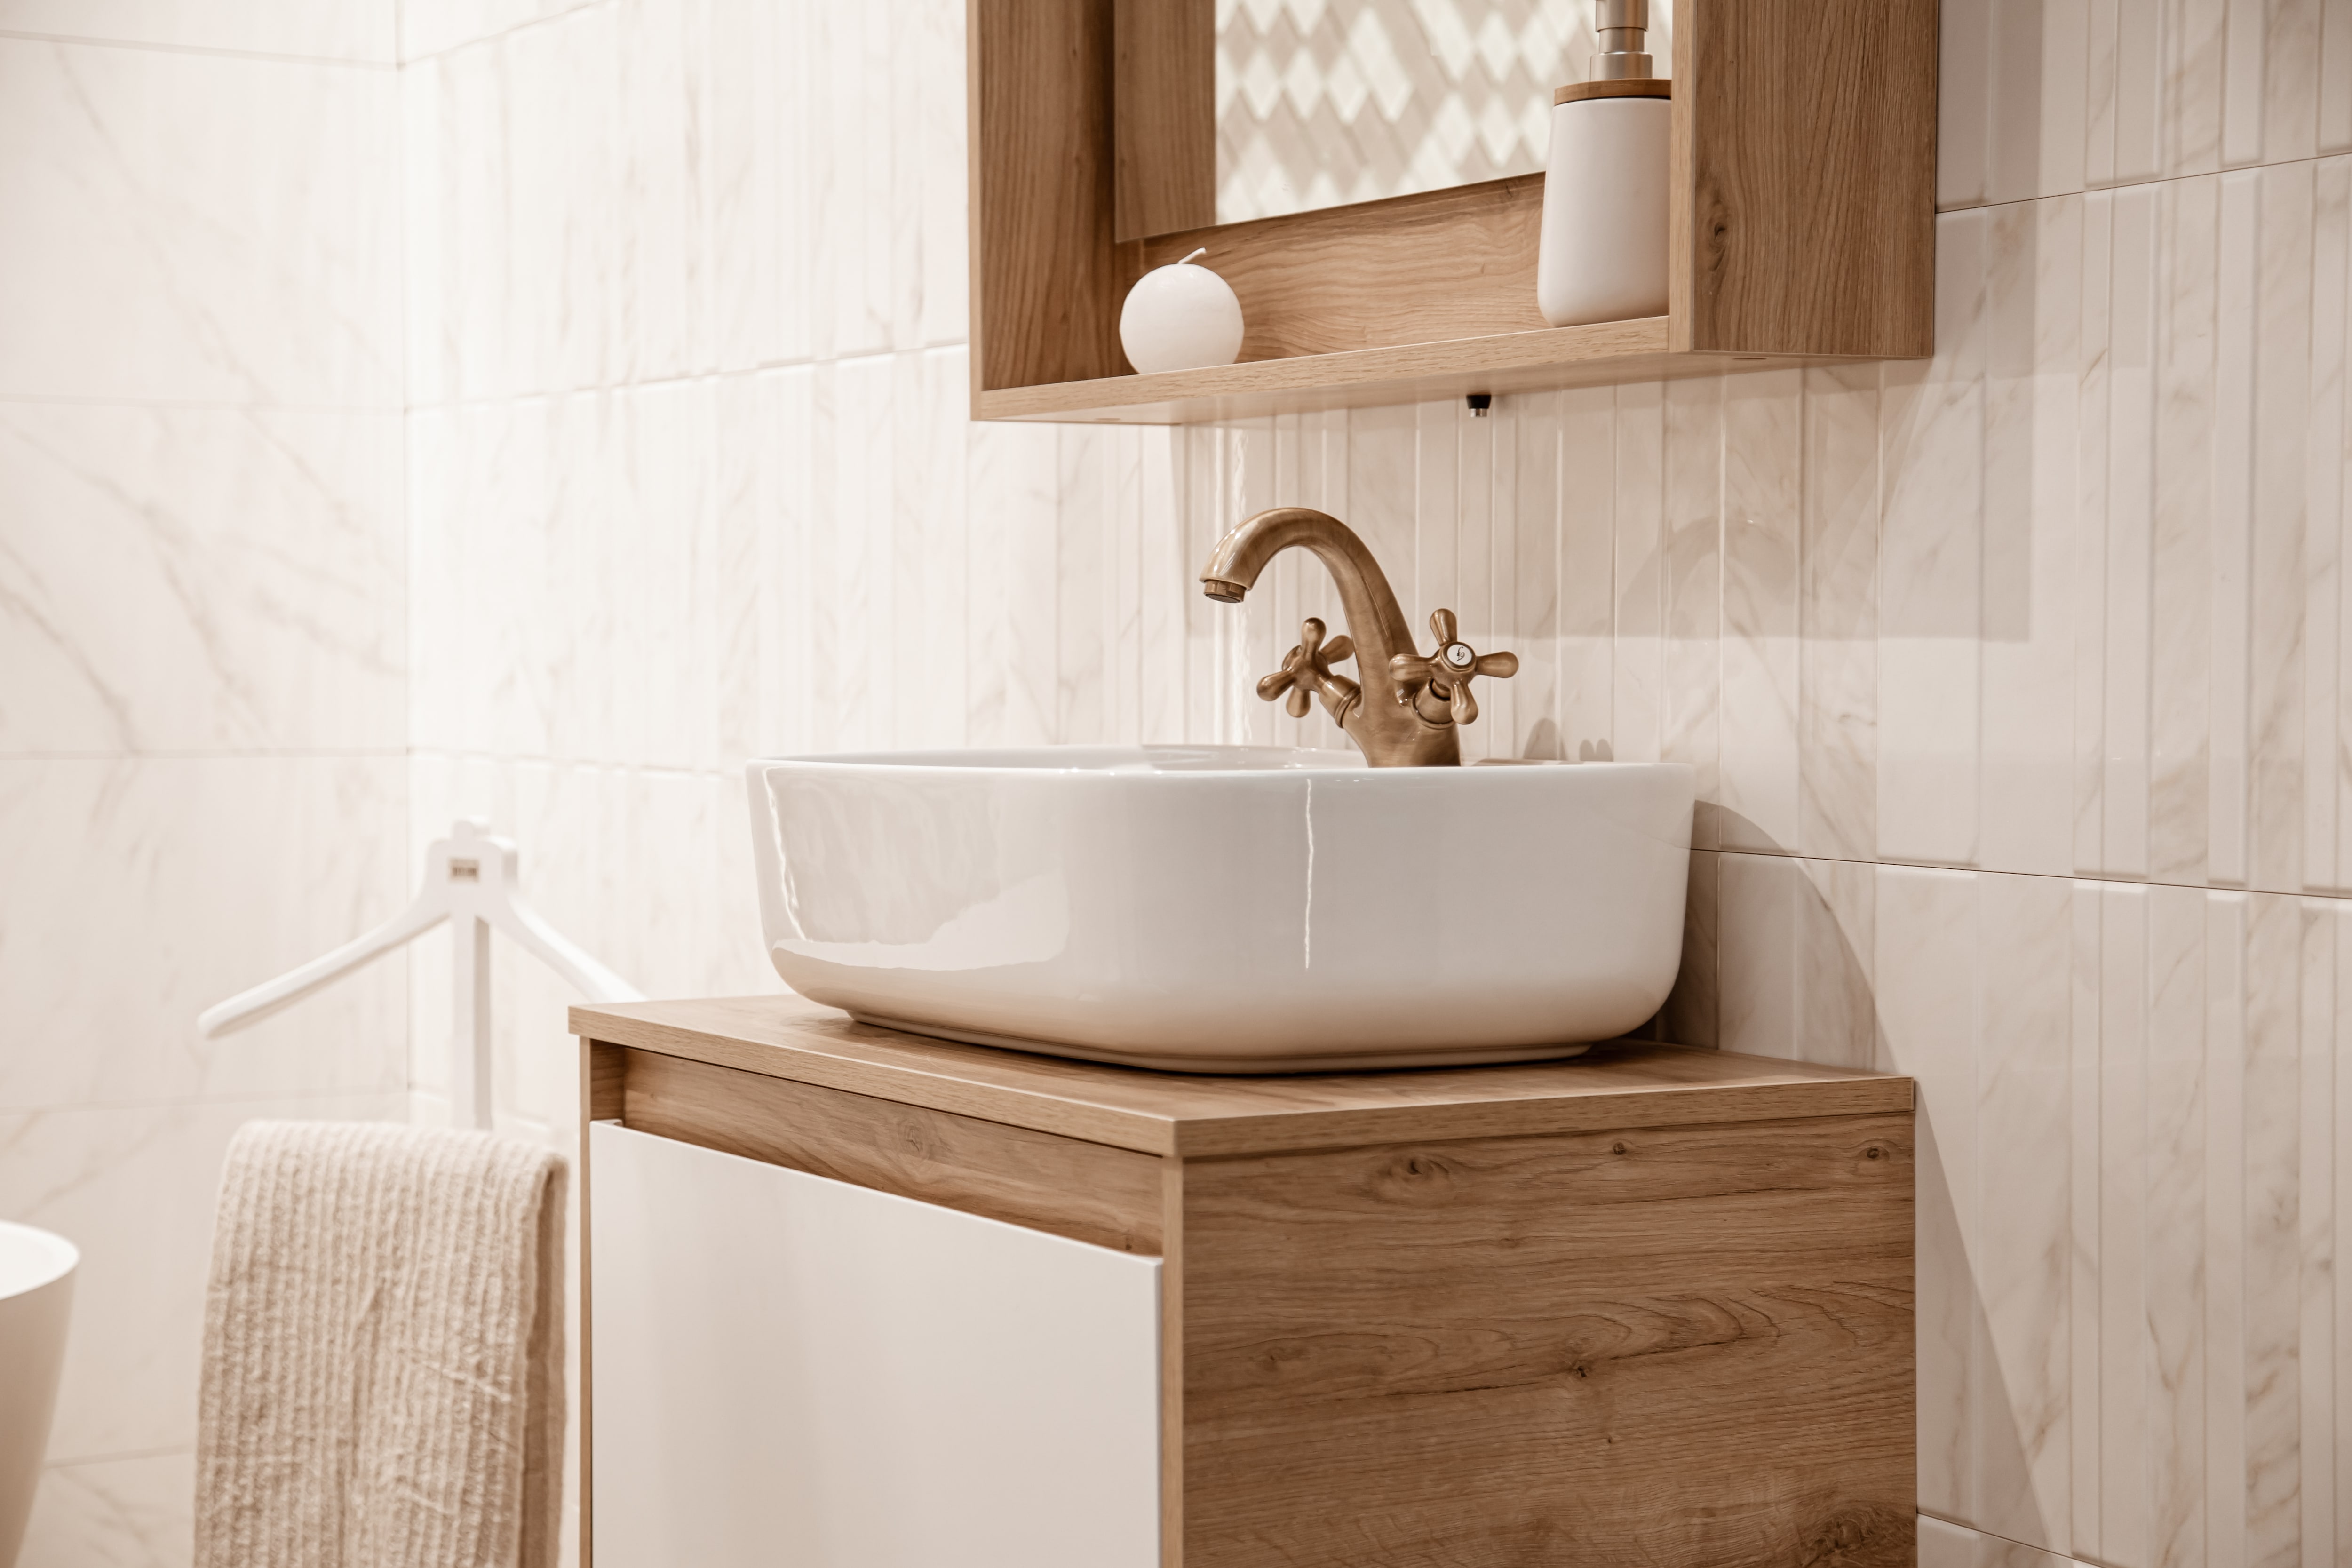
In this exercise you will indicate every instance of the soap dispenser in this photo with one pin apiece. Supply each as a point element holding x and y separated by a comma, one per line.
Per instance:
<point>1602,255</point>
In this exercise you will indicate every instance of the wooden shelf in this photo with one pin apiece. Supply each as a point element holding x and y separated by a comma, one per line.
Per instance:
<point>1540,361</point>
<point>1802,174</point>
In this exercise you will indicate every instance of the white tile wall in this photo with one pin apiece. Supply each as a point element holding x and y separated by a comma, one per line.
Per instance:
<point>304,29</point>
<point>203,682</point>
<point>197,227</point>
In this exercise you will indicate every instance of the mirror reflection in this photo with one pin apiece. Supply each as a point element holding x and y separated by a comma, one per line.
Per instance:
<point>1323,102</point>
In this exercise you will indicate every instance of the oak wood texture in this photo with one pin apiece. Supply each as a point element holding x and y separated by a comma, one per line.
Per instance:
<point>599,1083</point>
<point>1624,87</point>
<point>1804,156</point>
<point>1088,1192</point>
<point>1045,304</point>
<point>1620,1085</point>
<point>1648,1306</point>
<point>1684,1345</point>
<point>1164,108</point>
<point>1803,196</point>
<point>1438,265</point>
<point>606,1068</point>
<point>1555,357</point>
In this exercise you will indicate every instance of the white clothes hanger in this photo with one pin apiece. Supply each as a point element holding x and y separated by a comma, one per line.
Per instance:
<point>470,880</point>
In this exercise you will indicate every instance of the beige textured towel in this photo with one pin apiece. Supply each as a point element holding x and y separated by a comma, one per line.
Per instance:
<point>382,1367</point>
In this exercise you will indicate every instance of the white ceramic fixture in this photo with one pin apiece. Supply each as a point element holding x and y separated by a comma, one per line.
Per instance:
<point>36,1295</point>
<point>1226,909</point>
<point>1181,316</point>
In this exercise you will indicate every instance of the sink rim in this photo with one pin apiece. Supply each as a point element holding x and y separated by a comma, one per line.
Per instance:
<point>1312,760</point>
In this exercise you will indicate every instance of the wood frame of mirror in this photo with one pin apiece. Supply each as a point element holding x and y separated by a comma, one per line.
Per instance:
<point>1802,170</point>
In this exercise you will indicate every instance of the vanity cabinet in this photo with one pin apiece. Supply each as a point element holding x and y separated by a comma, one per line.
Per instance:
<point>857,1297</point>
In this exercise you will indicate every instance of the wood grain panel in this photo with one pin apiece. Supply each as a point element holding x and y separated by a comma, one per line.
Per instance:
<point>1437,265</point>
<point>607,1068</point>
<point>1088,1192</point>
<point>1599,355</point>
<point>1622,1084</point>
<point>1164,106</point>
<point>1674,1345</point>
<point>1045,303</point>
<point>601,1066</point>
<point>1804,156</point>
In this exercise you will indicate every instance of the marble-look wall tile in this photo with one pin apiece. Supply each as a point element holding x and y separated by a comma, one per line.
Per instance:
<point>2130,1101</point>
<point>1637,709</point>
<point>357,31</point>
<point>2280,525</point>
<point>2327,760</point>
<point>186,580</point>
<point>1759,674</point>
<point>1793,959</point>
<point>2011,100</point>
<point>1930,565</point>
<point>570,546</point>
<point>2046,97</point>
<point>2181,630</point>
<point>2020,1380</point>
<point>1943,1544</point>
<point>1569,459</point>
<point>429,27</point>
<point>1925,920</point>
<point>2033,311</point>
<point>651,188</point>
<point>1693,1014</point>
<point>142,891</point>
<point>136,1513</point>
<point>197,227</point>
<point>1837,575</point>
<point>1691,563</point>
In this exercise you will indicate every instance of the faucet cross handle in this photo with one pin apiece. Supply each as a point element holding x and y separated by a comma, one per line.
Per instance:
<point>1448,671</point>
<point>1306,669</point>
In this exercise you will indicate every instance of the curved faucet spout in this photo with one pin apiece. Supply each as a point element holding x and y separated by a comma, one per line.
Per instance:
<point>1374,619</point>
<point>1386,724</point>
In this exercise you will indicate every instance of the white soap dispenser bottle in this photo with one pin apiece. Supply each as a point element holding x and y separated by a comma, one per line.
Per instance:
<point>1602,256</point>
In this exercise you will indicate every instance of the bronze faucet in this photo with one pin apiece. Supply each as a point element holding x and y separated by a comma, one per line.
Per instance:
<point>1421,727</point>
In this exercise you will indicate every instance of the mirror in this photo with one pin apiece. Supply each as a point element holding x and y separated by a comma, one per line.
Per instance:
<point>1324,102</point>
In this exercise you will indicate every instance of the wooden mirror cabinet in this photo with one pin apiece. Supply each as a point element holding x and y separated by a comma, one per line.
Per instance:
<point>1803,196</point>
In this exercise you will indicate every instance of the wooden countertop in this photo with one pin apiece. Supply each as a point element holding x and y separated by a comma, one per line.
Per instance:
<point>1620,1085</point>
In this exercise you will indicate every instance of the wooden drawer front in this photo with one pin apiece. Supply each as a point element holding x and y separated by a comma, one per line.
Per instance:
<point>792,1370</point>
<point>1088,1192</point>
<point>1684,1345</point>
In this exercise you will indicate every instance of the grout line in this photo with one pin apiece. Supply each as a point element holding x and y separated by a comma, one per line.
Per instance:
<point>76,1459</point>
<point>199,405</point>
<point>2103,880</point>
<point>212,51</point>
<point>546,760</point>
<point>2064,1557</point>
<point>187,1101</point>
<point>2090,190</point>
<point>446,50</point>
<point>293,755</point>
<point>684,378</point>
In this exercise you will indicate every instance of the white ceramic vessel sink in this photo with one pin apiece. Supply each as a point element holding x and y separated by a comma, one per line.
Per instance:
<point>1226,909</point>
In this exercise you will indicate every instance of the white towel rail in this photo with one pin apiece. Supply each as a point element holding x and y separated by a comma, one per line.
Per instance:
<point>470,880</point>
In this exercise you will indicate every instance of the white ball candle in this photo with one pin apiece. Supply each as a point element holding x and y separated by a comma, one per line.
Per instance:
<point>1181,316</point>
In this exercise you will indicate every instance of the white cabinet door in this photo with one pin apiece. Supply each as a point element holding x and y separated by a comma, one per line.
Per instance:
<point>794,1373</point>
